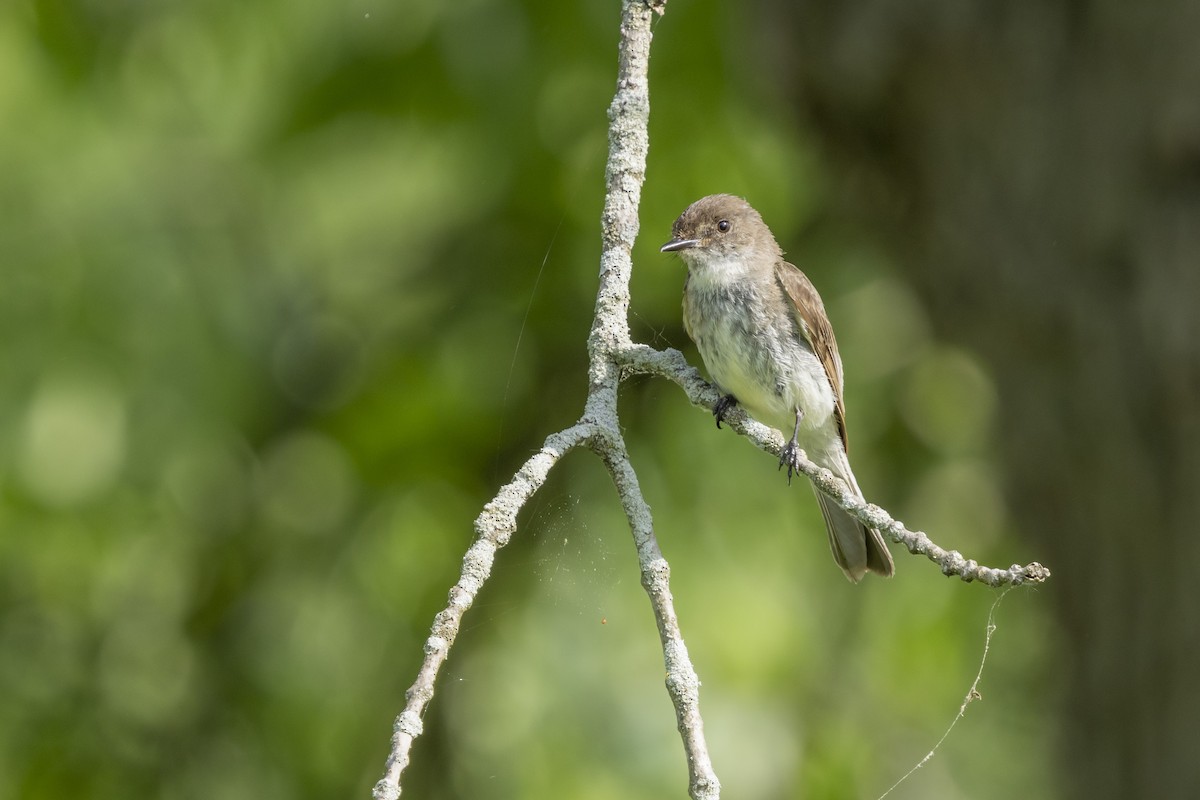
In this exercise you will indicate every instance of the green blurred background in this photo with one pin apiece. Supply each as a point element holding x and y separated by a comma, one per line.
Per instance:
<point>289,289</point>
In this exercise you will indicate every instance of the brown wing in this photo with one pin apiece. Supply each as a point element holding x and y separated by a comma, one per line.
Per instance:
<point>815,327</point>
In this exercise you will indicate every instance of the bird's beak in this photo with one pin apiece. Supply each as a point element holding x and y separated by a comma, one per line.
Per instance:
<point>679,244</point>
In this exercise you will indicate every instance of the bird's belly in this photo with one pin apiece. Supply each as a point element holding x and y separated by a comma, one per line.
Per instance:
<point>771,375</point>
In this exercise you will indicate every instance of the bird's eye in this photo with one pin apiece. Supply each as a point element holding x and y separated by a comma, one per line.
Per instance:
<point>723,225</point>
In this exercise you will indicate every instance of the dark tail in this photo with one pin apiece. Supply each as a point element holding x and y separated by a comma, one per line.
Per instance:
<point>856,548</point>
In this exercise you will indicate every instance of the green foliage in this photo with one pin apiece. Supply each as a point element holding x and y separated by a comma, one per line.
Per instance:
<point>290,288</point>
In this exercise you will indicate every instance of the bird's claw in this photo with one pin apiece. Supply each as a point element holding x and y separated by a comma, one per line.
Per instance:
<point>789,456</point>
<point>722,406</point>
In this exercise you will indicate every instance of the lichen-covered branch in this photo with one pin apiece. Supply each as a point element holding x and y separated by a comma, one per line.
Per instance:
<point>613,356</point>
<point>628,143</point>
<point>683,684</point>
<point>670,364</point>
<point>493,528</point>
<point>598,427</point>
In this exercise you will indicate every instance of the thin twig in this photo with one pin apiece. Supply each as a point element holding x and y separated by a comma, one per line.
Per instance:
<point>670,364</point>
<point>493,529</point>
<point>683,684</point>
<point>971,696</point>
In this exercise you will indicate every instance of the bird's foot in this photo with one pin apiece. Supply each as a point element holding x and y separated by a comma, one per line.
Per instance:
<point>789,456</point>
<point>722,406</point>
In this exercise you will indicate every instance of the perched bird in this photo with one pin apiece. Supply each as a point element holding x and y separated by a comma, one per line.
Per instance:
<point>761,328</point>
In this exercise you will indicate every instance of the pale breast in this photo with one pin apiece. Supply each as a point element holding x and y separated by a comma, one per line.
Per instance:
<point>759,357</point>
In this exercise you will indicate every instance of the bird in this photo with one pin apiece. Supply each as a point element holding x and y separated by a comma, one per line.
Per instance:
<point>768,345</point>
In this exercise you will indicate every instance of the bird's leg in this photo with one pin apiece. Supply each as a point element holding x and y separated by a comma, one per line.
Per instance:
<point>722,406</point>
<point>790,454</point>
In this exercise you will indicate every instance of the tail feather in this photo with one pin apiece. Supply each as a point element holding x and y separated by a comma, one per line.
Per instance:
<point>856,548</point>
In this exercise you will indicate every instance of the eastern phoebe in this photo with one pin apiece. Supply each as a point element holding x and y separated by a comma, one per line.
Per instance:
<point>762,331</point>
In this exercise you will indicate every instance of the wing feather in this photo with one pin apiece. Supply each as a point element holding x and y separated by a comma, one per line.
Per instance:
<point>817,331</point>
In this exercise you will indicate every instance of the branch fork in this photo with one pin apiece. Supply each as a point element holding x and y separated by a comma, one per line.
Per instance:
<point>613,357</point>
